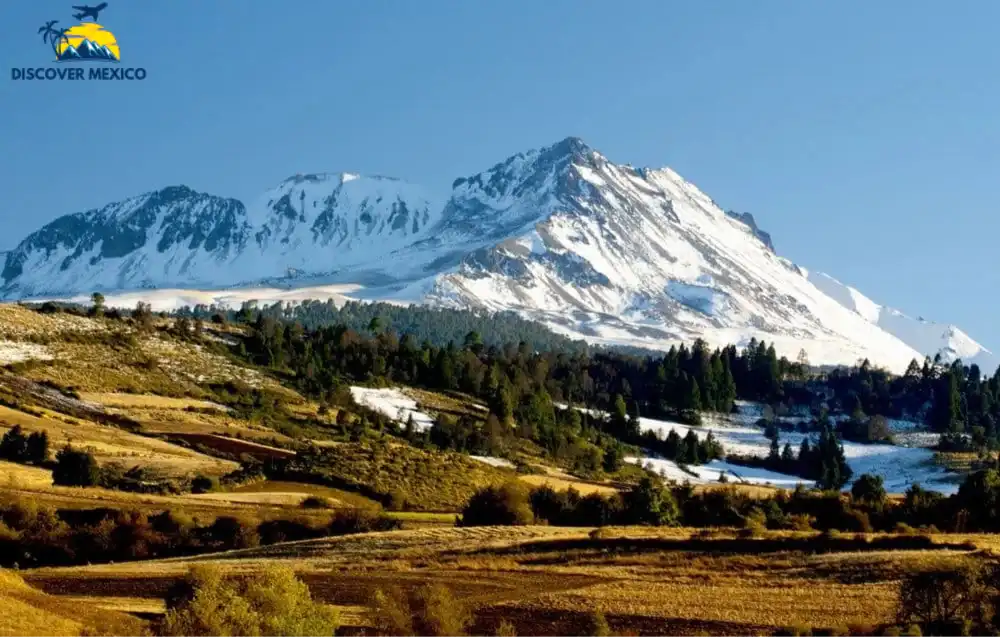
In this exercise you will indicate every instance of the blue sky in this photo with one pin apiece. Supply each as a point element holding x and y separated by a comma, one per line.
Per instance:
<point>864,136</point>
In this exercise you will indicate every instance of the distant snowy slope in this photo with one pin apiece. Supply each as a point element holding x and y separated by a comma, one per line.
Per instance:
<point>924,336</point>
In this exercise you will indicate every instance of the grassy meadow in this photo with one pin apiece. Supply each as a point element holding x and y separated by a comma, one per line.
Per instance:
<point>547,580</point>
<point>149,398</point>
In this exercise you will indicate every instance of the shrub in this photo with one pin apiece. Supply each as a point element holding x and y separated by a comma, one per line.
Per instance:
<point>315,502</point>
<point>361,521</point>
<point>437,612</point>
<point>14,445</point>
<point>228,533</point>
<point>204,484</point>
<point>943,599</point>
<point>396,501</point>
<point>597,625</point>
<point>649,502</point>
<point>505,629</point>
<point>796,630</point>
<point>270,602</point>
<point>505,505</point>
<point>870,490</point>
<point>430,610</point>
<point>38,448</point>
<point>75,468</point>
<point>755,522</point>
<point>390,612</point>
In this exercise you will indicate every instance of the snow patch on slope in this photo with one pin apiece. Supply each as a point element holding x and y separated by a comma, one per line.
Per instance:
<point>899,466</point>
<point>394,404</point>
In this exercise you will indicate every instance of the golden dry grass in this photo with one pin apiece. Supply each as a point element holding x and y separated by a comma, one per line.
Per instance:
<point>19,476</point>
<point>564,484</point>
<point>27,611</point>
<point>286,498</point>
<point>112,399</point>
<point>110,444</point>
<point>203,509</point>
<point>109,356</point>
<point>543,577</point>
<point>18,323</point>
<point>303,490</point>
<point>449,404</point>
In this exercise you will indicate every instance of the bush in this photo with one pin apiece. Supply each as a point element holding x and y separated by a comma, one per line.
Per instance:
<point>15,446</point>
<point>505,629</point>
<point>315,502</point>
<point>869,490</point>
<point>649,502</point>
<point>204,484</point>
<point>430,610</point>
<point>944,600</point>
<point>796,630</point>
<point>437,612</point>
<point>75,468</point>
<point>270,602</point>
<point>228,533</point>
<point>597,625</point>
<point>361,521</point>
<point>505,505</point>
<point>390,612</point>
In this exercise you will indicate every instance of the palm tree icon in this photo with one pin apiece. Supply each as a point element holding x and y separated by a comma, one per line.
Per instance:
<point>53,36</point>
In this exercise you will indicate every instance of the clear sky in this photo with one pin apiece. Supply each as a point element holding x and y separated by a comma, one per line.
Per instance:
<point>865,136</point>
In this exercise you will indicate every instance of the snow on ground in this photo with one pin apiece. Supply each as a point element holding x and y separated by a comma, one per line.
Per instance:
<point>12,352</point>
<point>494,462</point>
<point>394,404</point>
<point>708,473</point>
<point>899,466</point>
<point>168,300</point>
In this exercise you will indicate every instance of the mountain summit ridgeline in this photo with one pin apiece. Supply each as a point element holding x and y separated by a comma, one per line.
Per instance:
<point>604,251</point>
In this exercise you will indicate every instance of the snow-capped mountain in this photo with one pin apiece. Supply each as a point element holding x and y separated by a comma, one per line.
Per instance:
<point>609,252</point>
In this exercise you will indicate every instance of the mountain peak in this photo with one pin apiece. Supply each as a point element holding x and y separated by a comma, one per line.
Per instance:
<point>569,146</point>
<point>560,233</point>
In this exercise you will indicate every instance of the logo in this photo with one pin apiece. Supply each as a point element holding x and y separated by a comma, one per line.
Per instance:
<point>81,45</point>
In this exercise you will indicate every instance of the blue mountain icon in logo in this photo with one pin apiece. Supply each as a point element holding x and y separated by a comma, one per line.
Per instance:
<point>87,50</point>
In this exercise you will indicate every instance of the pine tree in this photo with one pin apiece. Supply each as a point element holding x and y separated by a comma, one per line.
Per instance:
<point>774,455</point>
<point>787,456</point>
<point>619,416</point>
<point>946,410</point>
<point>693,395</point>
<point>502,403</point>
<point>727,393</point>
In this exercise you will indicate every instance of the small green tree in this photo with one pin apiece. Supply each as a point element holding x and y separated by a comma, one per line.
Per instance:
<point>270,602</point>
<point>598,625</point>
<point>869,489</point>
<point>505,629</point>
<point>97,299</point>
<point>38,448</point>
<point>505,505</point>
<point>437,612</point>
<point>75,468</point>
<point>613,458</point>
<point>648,502</point>
<point>203,484</point>
<point>14,445</point>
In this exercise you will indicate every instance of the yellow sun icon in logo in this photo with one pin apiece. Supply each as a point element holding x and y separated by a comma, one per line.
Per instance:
<point>87,41</point>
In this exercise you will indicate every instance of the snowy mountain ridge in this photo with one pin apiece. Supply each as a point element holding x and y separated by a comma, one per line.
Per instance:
<point>608,252</point>
<point>926,336</point>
